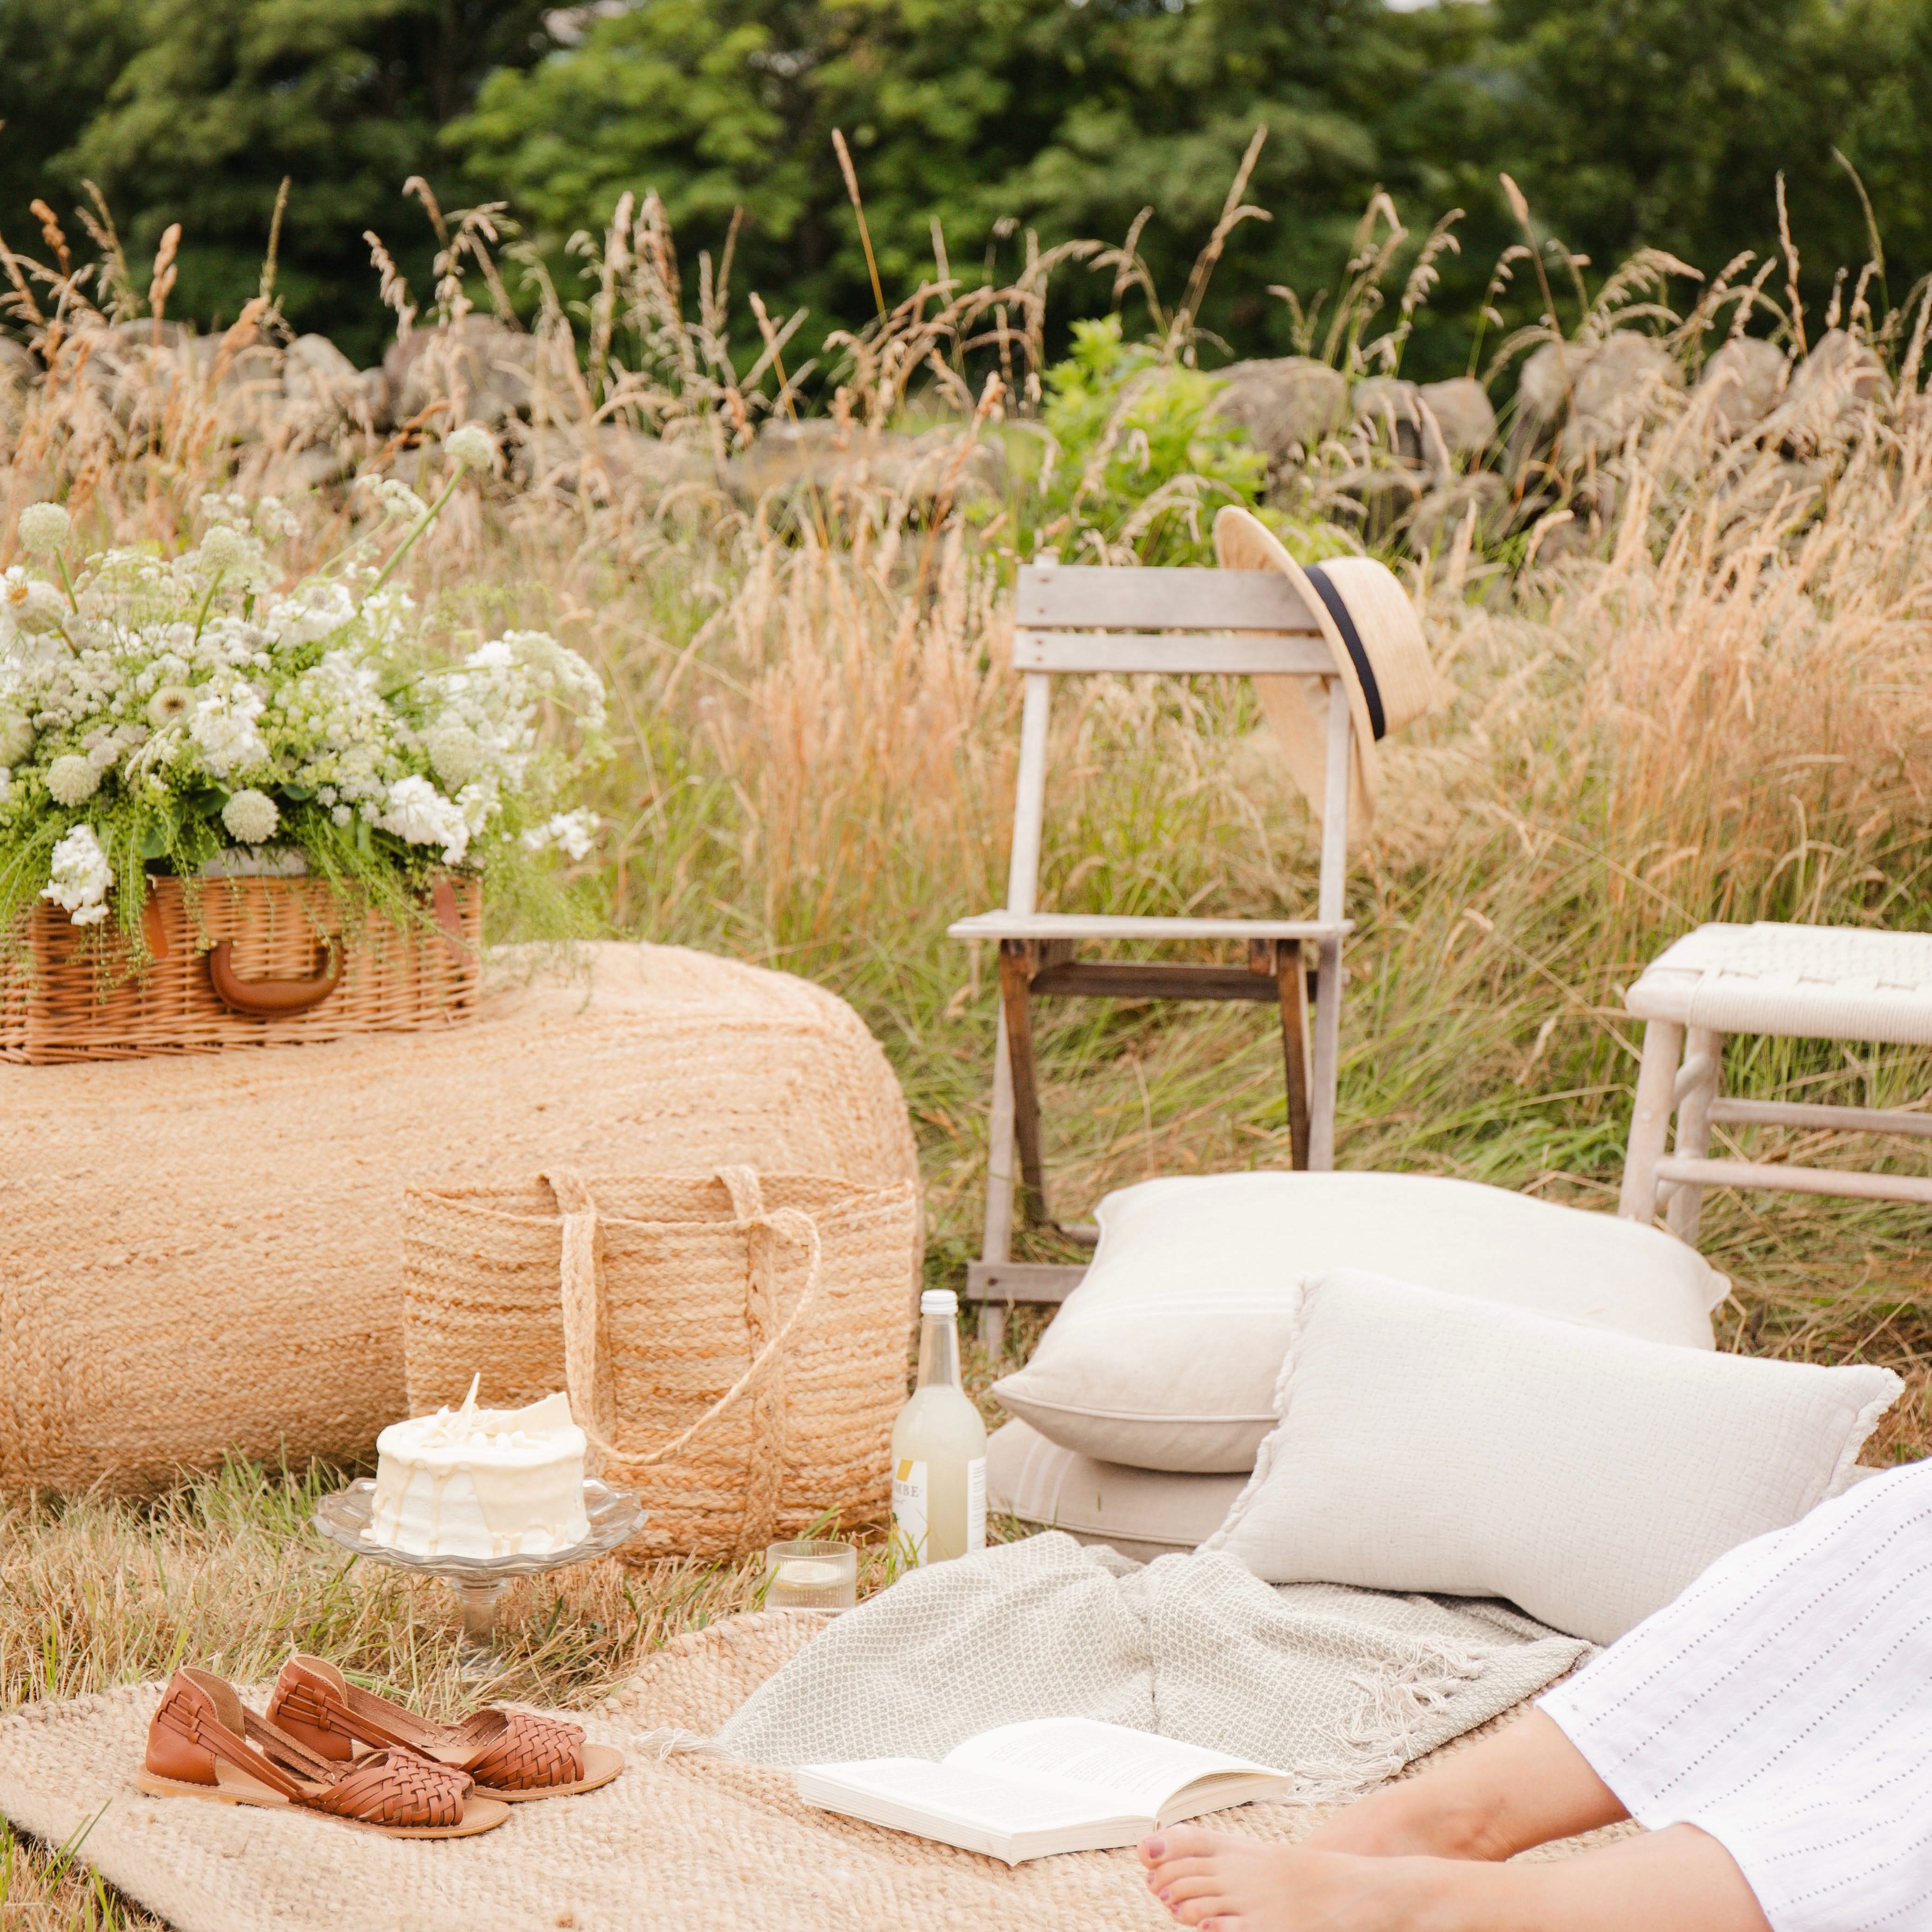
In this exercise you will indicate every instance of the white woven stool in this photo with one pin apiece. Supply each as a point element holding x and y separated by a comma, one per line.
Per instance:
<point>1794,982</point>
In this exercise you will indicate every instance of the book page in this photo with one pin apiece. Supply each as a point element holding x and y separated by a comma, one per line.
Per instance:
<point>1000,1801</point>
<point>1138,1771</point>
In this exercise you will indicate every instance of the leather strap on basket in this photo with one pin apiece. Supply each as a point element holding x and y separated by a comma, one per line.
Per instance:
<point>583,1305</point>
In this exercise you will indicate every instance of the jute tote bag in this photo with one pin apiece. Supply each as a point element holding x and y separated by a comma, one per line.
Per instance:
<point>734,1345</point>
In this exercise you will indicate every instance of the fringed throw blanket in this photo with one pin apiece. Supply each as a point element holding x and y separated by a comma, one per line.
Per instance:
<point>1341,1688</point>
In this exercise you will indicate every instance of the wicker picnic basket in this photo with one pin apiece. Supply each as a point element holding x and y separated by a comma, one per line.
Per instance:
<point>239,962</point>
<point>734,1345</point>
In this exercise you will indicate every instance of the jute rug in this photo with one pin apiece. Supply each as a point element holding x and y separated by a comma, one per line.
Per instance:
<point>676,1840</point>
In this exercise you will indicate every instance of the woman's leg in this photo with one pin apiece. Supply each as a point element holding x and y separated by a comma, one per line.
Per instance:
<point>1680,1880</point>
<point>1524,1786</point>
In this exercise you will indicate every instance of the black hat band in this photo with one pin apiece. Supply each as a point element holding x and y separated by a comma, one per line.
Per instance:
<point>1372,695</point>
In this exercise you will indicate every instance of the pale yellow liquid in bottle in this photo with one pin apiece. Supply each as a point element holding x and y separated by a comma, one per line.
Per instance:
<point>939,1454</point>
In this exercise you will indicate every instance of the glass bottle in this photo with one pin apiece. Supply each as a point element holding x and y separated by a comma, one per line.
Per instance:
<point>939,1447</point>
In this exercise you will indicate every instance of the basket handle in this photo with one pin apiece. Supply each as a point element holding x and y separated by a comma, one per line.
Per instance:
<point>583,1298</point>
<point>268,999</point>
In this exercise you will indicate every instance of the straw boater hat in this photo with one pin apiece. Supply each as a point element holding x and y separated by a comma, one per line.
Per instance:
<point>1372,628</point>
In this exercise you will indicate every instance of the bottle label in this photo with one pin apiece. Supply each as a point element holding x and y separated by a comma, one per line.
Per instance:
<point>975,1504</point>
<point>909,1505</point>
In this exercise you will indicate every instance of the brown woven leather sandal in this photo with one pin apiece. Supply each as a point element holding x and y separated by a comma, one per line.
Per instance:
<point>511,1754</point>
<point>204,1742</point>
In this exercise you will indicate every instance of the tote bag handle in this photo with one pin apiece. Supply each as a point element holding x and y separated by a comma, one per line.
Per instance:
<point>582,1299</point>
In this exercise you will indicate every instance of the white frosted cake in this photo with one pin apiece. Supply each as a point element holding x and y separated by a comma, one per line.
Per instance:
<point>482,1482</point>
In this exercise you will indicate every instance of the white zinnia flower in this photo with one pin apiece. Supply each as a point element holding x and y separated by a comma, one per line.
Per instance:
<point>44,528</point>
<point>473,445</point>
<point>171,702</point>
<point>79,876</point>
<point>17,737</point>
<point>74,780</point>
<point>420,814</point>
<point>456,752</point>
<point>251,816</point>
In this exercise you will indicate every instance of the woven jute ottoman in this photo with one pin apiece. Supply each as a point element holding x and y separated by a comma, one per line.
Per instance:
<point>202,1255</point>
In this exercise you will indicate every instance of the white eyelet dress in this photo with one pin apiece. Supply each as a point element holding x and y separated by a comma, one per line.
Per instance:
<point>1783,1704</point>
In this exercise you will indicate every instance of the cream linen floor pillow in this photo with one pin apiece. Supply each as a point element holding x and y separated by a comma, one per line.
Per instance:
<point>1428,1442</point>
<point>1142,1512</point>
<point>1165,1357</point>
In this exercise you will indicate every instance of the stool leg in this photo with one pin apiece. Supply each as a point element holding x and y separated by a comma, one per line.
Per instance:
<point>1650,1119</point>
<point>1703,1065</point>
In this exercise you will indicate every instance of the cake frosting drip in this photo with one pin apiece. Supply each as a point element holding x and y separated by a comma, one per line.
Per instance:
<point>482,1482</point>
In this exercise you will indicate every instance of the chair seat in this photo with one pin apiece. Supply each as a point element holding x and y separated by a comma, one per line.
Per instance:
<point>1802,981</point>
<point>1105,925</point>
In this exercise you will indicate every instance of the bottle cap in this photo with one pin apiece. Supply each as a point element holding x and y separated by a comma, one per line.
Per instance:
<point>939,1301</point>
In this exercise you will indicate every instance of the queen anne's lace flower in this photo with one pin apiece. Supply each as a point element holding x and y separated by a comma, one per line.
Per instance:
<point>251,816</point>
<point>16,736</point>
<point>574,831</point>
<point>44,528</point>
<point>73,780</point>
<point>80,876</point>
<point>456,753</point>
<point>227,552</point>
<point>396,497</point>
<point>223,726</point>
<point>473,446</point>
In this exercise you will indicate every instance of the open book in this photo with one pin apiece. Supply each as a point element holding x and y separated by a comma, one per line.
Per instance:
<point>1056,1784</point>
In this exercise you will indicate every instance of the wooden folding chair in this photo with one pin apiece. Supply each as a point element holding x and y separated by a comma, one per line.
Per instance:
<point>1072,618</point>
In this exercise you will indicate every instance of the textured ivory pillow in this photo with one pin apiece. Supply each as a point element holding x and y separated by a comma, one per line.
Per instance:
<point>1428,1442</point>
<point>1165,1356</point>
<point>1142,1512</point>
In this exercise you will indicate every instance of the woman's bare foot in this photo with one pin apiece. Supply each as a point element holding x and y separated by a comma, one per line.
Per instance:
<point>1212,1880</point>
<point>1675,1880</point>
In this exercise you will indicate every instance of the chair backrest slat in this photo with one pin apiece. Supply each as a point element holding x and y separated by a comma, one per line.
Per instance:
<point>1094,597</point>
<point>1250,654</point>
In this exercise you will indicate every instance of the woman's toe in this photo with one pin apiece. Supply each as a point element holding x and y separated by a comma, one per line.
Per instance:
<point>1201,1912</point>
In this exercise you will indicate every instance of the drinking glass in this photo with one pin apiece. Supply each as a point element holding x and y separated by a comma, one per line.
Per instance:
<point>809,1575</point>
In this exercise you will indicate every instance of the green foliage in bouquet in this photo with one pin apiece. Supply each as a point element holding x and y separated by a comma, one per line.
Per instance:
<point>184,714</point>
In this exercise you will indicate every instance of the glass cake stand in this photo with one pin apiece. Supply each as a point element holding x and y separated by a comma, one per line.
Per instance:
<point>616,1516</point>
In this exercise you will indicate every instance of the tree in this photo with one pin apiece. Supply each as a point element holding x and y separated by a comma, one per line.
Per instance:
<point>222,98</point>
<point>1667,123</point>
<point>57,63</point>
<point>987,116</point>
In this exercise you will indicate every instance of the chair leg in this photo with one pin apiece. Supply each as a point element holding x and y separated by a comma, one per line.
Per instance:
<point>1015,997</point>
<point>1292,980</point>
<point>1325,1061</point>
<point>1696,1088</point>
<point>996,1238</point>
<point>1650,1119</point>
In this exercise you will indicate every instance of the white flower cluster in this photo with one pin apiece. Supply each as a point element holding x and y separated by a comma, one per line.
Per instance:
<point>574,833</point>
<point>79,878</point>
<point>189,700</point>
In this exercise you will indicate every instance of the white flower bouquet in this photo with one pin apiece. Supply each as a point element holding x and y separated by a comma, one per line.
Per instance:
<point>184,715</point>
